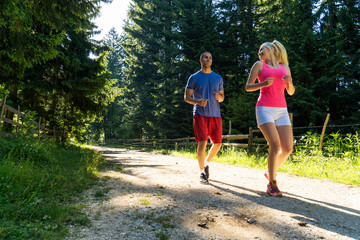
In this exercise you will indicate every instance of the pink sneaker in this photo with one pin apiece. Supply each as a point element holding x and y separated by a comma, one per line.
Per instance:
<point>273,190</point>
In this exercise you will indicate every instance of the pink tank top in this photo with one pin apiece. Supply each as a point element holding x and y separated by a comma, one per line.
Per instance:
<point>274,95</point>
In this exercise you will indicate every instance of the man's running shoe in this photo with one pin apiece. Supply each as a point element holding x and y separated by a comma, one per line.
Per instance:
<point>203,179</point>
<point>207,172</point>
<point>273,190</point>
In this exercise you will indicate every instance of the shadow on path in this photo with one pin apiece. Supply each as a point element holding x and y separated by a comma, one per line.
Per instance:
<point>329,217</point>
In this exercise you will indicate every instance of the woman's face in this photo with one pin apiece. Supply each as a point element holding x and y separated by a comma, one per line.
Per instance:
<point>264,52</point>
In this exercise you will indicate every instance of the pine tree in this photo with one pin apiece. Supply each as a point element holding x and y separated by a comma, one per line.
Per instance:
<point>154,80</point>
<point>34,36</point>
<point>115,118</point>
<point>72,88</point>
<point>238,48</point>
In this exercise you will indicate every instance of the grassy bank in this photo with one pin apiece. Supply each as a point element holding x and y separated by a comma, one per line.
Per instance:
<point>338,161</point>
<point>39,180</point>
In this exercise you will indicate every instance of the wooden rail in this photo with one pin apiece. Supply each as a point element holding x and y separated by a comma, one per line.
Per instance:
<point>24,122</point>
<point>250,141</point>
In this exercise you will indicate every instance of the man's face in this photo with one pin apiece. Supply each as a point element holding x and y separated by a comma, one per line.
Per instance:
<point>206,60</point>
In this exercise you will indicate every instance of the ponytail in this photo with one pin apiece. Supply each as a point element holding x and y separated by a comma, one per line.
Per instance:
<point>280,52</point>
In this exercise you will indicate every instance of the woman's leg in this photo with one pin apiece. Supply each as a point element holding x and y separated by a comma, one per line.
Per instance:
<point>271,135</point>
<point>286,144</point>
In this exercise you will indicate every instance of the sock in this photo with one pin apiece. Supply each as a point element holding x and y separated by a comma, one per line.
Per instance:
<point>206,163</point>
<point>202,171</point>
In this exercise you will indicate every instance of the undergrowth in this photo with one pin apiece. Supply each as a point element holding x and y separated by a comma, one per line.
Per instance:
<point>39,180</point>
<point>338,160</point>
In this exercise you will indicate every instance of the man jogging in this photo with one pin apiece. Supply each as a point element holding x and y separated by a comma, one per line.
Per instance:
<point>205,91</point>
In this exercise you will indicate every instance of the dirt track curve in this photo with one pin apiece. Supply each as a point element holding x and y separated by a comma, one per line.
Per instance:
<point>158,196</point>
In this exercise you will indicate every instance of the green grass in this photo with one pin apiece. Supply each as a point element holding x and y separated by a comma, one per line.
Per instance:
<point>38,183</point>
<point>338,161</point>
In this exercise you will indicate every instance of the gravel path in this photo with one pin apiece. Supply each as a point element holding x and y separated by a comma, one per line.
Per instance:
<point>158,196</point>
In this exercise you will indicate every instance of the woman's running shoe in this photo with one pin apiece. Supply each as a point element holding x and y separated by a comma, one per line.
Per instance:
<point>273,190</point>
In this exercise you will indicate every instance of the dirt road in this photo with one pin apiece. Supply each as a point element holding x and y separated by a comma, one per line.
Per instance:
<point>158,196</point>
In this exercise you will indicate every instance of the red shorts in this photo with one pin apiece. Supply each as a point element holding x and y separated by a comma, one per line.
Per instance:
<point>207,126</point>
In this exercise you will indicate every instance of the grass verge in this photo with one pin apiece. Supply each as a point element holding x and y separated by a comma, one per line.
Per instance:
<point>39,181</point>
<point>341,170</point>
<point>338,161</point>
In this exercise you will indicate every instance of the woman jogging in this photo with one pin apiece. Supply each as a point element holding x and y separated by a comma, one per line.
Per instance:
<point>274,76</point>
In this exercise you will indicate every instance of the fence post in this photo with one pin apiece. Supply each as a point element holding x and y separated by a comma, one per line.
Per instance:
<point>229,127</point>
<point>39,127</point>
<point>250,139</point>
<point>3,107</point>
<point>229,133</point>
<point>18,119</point>
<point>291,118</point>
<point>323,131</point>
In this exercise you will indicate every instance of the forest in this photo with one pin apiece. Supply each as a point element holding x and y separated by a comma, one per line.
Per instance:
<point>134,86</point>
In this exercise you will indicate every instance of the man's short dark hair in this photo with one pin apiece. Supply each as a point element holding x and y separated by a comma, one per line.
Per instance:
<point>202,55</point>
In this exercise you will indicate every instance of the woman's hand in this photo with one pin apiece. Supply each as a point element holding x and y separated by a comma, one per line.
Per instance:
<point>287,78</point>
<point>269,81</point>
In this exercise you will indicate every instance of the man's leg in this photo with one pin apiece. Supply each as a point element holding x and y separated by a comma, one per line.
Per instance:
<point>201,158</point>
<point>213,151</point>
<point>201,153</point>
<point>215,133</point>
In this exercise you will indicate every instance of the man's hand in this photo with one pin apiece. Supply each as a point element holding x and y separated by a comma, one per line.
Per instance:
<point>219,97</point>
<point>203,102</point>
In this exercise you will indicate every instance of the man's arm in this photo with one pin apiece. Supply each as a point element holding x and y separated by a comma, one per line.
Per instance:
<point>220,96</point>
<point>189,99</point>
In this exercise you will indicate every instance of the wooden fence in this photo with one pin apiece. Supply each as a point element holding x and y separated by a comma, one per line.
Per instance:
<point>24,122</point>
<point>249,141</point>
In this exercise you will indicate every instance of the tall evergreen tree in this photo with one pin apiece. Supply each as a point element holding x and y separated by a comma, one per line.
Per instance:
<point>153,56</point>
<point>238,44</point>
<point>70,85</point>
<point>71,89</point>
<point>116,122</point>
<point>164,39</point>
<point>339,36</point>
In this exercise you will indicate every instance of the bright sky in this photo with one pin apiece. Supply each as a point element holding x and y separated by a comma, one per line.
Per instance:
<point>112,15</point>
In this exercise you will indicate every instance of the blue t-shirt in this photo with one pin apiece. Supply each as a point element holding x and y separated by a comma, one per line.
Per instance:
<point>204,85</point>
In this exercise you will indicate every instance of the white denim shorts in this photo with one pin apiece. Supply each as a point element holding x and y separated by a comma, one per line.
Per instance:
<point>277,115</point>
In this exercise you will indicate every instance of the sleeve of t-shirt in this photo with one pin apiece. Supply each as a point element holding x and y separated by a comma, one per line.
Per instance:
<point>190,83</point>
<point>221,85</point>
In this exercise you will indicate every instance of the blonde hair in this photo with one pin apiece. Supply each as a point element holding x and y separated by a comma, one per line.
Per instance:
<point>279,51</point>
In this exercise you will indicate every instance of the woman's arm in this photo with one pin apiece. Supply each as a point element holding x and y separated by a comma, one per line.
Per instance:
<point>290,89</point>
<point>251,86</point>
